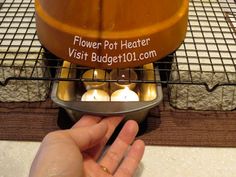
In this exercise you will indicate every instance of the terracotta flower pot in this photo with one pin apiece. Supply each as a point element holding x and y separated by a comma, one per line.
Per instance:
<point>111,33</point>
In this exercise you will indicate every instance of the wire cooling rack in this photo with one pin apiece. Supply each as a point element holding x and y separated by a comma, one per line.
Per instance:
<point>209,47</point>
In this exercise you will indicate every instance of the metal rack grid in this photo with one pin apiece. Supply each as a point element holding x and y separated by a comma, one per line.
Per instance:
<point>210,43</point>
<point>210,46</point>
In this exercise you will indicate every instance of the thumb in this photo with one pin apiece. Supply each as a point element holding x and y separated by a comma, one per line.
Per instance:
<point>87,137</point>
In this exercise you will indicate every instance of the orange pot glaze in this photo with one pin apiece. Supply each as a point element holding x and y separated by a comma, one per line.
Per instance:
<point>111,33</point>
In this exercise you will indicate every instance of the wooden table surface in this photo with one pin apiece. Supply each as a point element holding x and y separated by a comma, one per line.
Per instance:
<point>163,126</point>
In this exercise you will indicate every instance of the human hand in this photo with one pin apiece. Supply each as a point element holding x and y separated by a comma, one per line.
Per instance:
<point>75,152</point>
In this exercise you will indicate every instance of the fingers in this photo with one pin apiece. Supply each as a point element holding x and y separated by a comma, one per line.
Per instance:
<point>86,138</point>
<point>99,133</point>
<point>87,120</point>
<point>131,161</point>
<point>112,123</point>
<point>116,152</point>
<point>91,168</point>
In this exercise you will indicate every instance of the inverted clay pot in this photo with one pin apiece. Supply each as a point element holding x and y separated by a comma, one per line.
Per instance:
<point>111,33</point>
